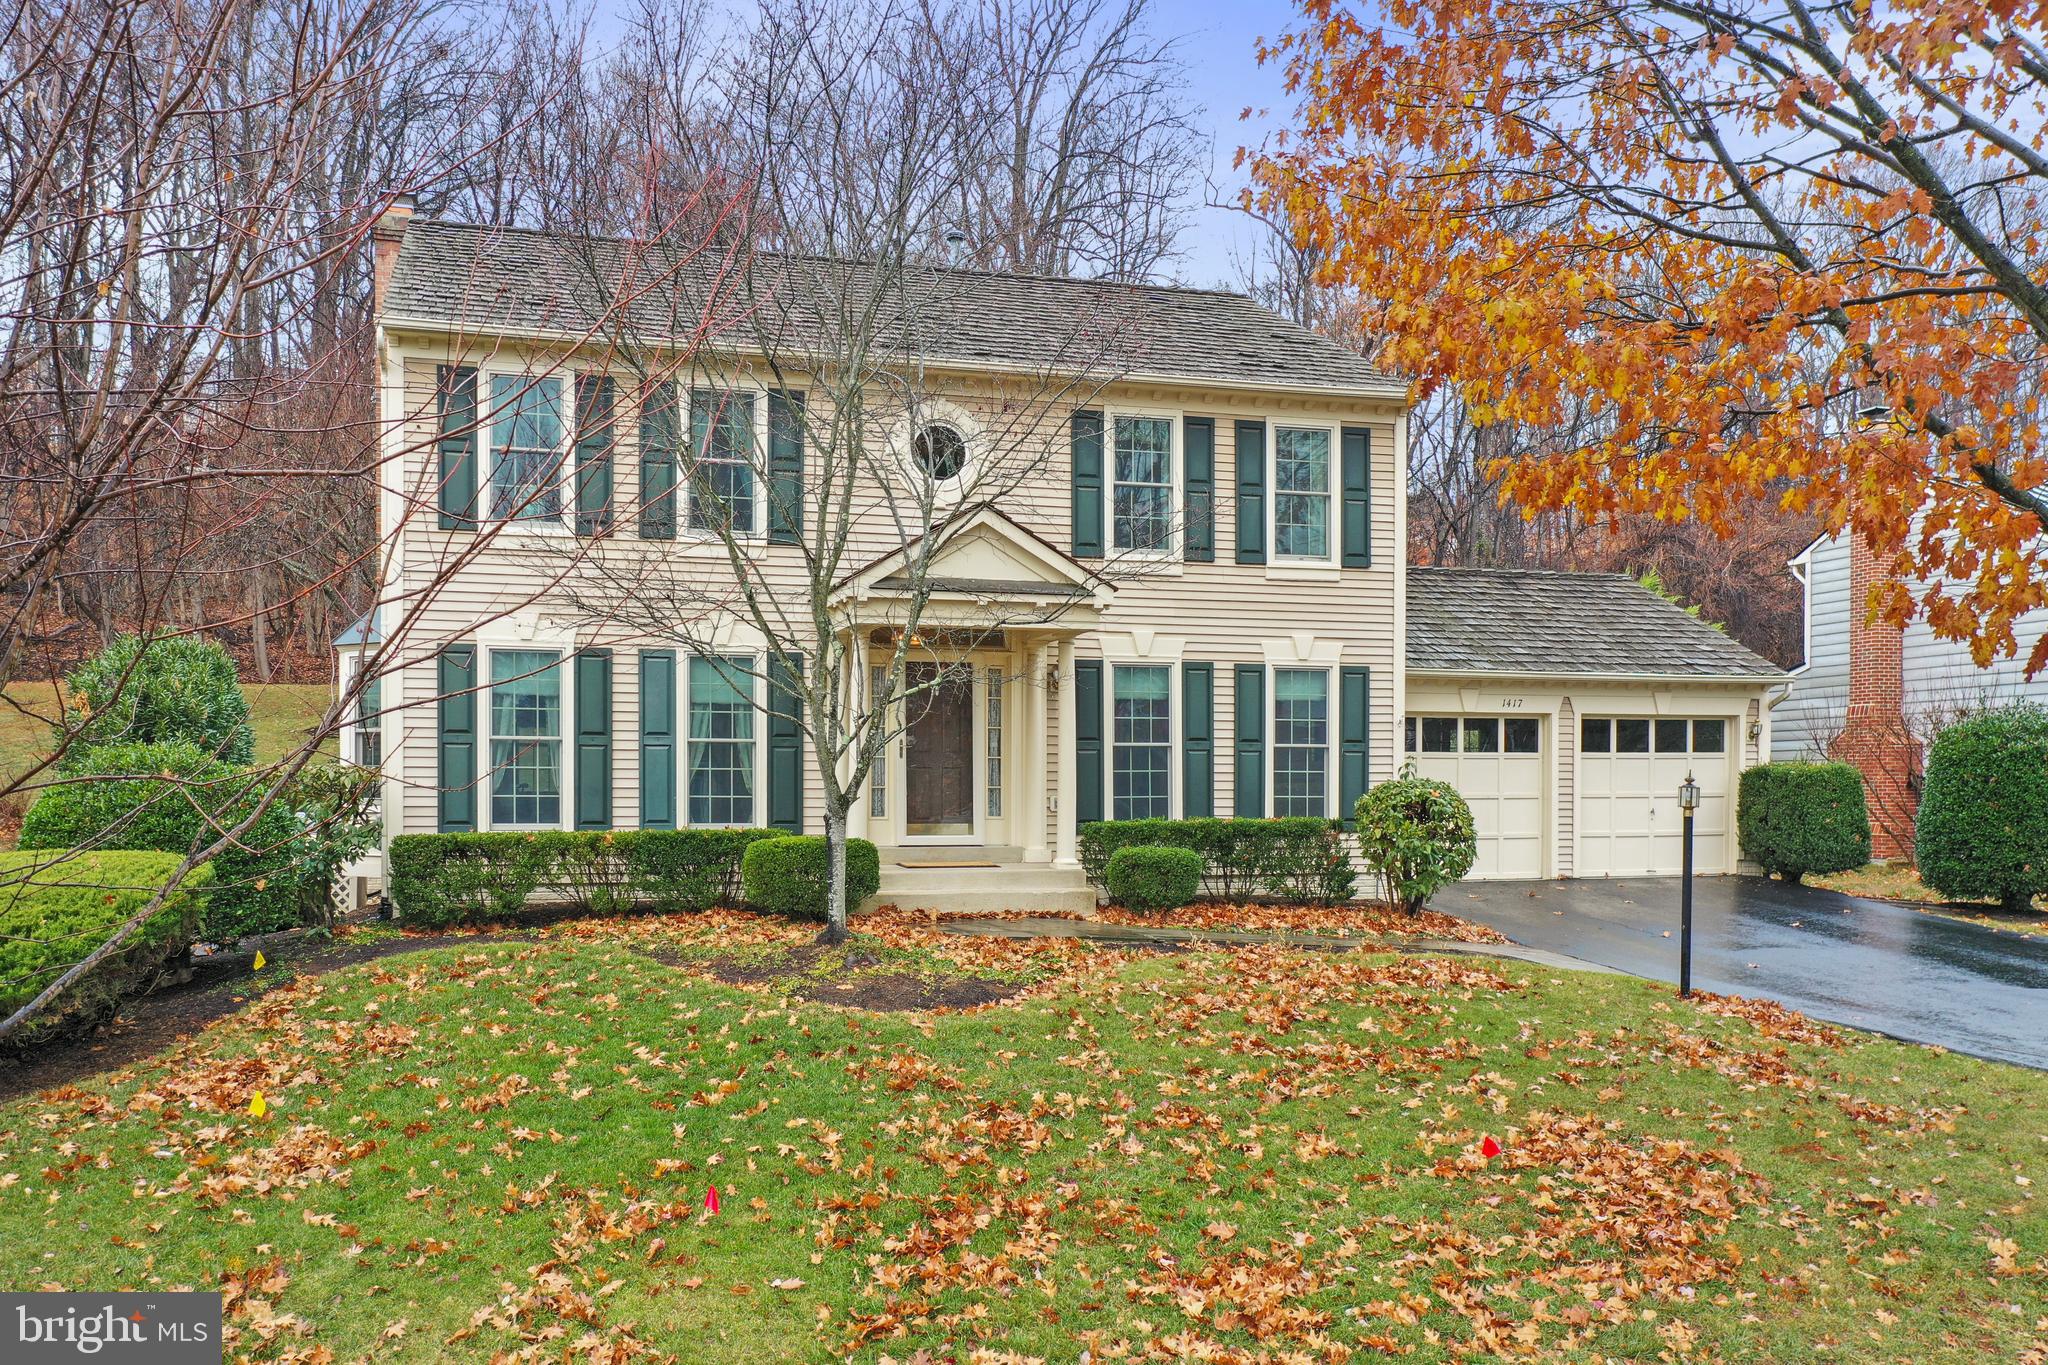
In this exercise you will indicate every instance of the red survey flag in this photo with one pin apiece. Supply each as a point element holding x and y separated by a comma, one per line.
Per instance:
<point>1489,1148</point>
<point>711,1199</point>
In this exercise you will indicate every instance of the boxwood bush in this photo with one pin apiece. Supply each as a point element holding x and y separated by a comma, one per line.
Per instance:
<point>172,797</point>
<point>790,875</point>
<point>57,906</point>
<point>1417,834</point>
<point>1983,828</point>
<point>1797,818</point>
<point>1148,877</point>
<point>442,879</point>
<point>178,687</point>
<point>1301,858</point>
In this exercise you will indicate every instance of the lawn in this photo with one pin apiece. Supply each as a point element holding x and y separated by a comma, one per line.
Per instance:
<point>503,1148</point>
<point>1901,882</point>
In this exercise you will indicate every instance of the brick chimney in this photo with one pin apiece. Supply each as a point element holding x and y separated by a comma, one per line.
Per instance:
<point>388,234</point>
<point>1874,734</point>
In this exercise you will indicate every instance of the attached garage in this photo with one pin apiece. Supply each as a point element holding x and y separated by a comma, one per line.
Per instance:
<point>1568,708</point>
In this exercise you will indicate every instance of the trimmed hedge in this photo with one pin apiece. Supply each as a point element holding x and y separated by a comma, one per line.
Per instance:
<point>179,688</point>
<point>438,879</point>
<point>1797,818</point>
<point>1147,877</point>
<point>1417,834</point>
<point>1983,828</point>
<point>53,913</point>
<point>791,875</point>
<point>1300,857</point>
<point>172,797</point>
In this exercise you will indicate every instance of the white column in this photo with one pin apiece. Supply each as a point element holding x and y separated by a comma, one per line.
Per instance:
<point>1066,843</point>
<point>857,703</point>
<point>1031,750</point>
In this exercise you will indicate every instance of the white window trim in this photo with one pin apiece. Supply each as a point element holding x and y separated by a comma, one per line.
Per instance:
<point>939,412</point>
<point>349,666</point>
<point>1171,551</point>
<point>489,414</point>
<point>487,769</point>
<point>756,693</point>
<point>1330,724</point>
<point>1173,729</point>
<point>1325,564</point>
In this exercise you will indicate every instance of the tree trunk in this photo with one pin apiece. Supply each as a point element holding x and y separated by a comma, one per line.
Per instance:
<point>835,893</point>
<point>259,629</point>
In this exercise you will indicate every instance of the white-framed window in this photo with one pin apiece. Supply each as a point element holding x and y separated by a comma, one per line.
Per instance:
<point>992,743</point>
<point>526,739</point>
<point>1303,477</point>
<point>878,771</point>
<point>724,451</point>
<point>1301,741</point>
<point>529,425</point>
<point>362,728</point>
<point>1143,477</point>
<point>1141,741</point>
<point>722,750</point>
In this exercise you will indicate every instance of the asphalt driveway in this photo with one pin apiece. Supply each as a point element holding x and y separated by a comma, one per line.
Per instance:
<point>1870,964</point>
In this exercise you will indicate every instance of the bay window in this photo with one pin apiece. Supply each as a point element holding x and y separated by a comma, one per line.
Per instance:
<point>1141,739</point>
<point>1301,493</point>
<point>1142,497</point>
<point>1301,741</point>
<point>721,741</point>
<point>526,739</point>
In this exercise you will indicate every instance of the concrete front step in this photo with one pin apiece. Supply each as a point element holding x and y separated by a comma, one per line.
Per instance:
<point>1012,886</point>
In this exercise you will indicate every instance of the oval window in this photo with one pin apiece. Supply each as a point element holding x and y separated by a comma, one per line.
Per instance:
<point>941,451</point>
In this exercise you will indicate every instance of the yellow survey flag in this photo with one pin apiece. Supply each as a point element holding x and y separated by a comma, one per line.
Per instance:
<point>259,961</point>
<point>257,1106</point>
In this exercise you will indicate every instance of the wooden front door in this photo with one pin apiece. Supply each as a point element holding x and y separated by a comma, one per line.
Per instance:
<point>938,750</point>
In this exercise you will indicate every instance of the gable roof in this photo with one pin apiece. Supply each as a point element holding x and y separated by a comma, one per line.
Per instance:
<point>482,279</point>
<point>1545,622</point>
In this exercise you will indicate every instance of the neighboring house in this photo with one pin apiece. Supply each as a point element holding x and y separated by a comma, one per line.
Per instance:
<point>1277,663</point>
<point>1874,695</point>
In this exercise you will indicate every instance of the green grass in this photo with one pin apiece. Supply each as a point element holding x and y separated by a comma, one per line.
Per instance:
<point>1901,882</point>
<point>477,1149</point>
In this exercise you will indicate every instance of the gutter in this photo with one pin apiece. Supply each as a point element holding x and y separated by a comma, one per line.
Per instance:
<point>1584,677</point>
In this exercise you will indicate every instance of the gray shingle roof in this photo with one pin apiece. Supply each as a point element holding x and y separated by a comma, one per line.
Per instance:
<point>480,279</point>
<point>1541,621</point>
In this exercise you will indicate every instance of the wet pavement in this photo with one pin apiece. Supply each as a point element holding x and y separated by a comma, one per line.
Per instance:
<point>1870,964</point>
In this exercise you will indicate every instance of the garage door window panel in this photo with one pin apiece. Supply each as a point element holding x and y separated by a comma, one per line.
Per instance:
<point>1521,735</point>
<point>1632,736</point>
<point>1596,735</point>
<point>1671,736</point>
<point>1710,736</point>
<point>1439,735</point>
<point>1482,735</point>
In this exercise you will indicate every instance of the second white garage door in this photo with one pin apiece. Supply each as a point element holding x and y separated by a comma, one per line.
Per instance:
<point>1630,768</point>
<point>1497,765</point>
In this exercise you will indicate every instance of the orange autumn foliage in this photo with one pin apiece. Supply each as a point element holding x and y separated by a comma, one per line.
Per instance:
<point>1701,252</point>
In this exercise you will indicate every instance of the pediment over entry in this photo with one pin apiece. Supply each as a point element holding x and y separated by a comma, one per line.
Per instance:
<point>987,556</point>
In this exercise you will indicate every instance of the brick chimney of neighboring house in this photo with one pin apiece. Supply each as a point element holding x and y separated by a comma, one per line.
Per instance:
<point>388,233</point>
<point>1874,734</point>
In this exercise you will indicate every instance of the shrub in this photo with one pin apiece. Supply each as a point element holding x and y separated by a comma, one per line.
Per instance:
<point>441,879</point>
<point>1297,857</point>
<point>790,875</point>
<point>1417,834</point>
<point>1983,829</point>
<point>1147,877</point>
<point>53,913</point>
<point>177,687</point>
<point>1796,818</point>
<point>172,797</point>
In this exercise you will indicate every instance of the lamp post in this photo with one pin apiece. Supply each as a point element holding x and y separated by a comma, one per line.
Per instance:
<point>1688,802</point>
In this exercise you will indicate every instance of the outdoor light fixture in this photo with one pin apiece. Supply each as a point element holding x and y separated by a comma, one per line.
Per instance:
<point>1688,802</point>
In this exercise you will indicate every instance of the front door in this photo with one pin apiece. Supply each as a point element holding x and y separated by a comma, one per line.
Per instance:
<point>938,751</point>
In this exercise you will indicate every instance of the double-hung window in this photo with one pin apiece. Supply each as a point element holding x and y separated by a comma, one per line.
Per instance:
<point>527,422</point>
<point>1142,741</point>
<point>1142,500</point>
<point>1301,493</point>
<point>1301,741</point>
<point>721,742</point>
<point>526,739</point>
<point>369,727</point>
<point>722,461</point>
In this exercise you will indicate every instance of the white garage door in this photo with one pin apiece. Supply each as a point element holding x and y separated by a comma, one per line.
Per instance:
<point>1630,768</point>
<point>1496,763</point>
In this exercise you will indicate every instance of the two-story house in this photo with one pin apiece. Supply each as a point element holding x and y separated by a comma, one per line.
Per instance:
<point>1273,654</point>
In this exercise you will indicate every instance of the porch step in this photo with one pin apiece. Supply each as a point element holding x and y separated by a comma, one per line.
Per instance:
<point>1011,886</point>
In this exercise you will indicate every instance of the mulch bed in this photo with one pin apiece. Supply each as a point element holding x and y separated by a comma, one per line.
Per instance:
<point>219,987</point>
<point>854,989</point>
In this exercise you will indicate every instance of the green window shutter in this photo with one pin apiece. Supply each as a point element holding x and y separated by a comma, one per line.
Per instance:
<point>657,739</point>
<point>1087,448</point>
<point>1251,492</point>
<point>455,742</point>
<point>1357,512</point>
<point>593,739</point>
<point>785,467</point>
<point>1198,512</point>
<point>661,436</point>
<point>1354,738</point>
<point>596,397</point>
<point>785,746</point>
<point>455,386</point>
<point>1198,741</point>
<point>1089,768</point>
<point>1248,801</point>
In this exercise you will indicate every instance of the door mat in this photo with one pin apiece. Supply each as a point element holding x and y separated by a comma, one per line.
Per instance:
<point>940,862</point>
